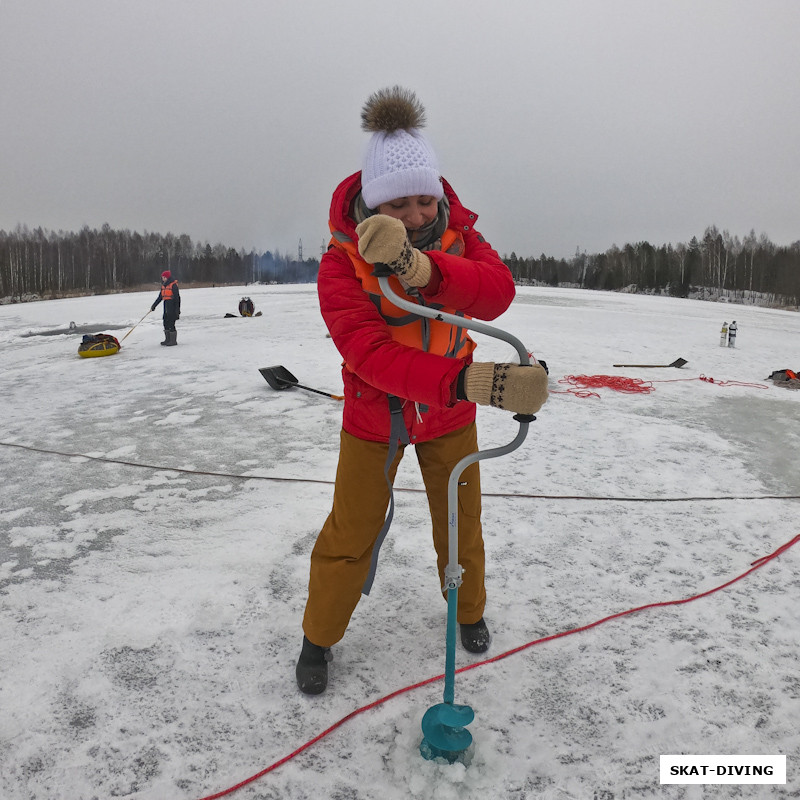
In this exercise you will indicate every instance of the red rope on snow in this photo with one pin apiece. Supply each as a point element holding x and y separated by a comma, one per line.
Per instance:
<point>757,564</point>
<point>582,384</point>
<point>618,383</point>
<point>732,383</point>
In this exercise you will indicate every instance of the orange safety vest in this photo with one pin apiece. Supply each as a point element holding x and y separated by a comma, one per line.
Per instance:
<point>166,291</point>
<point>430,335</point>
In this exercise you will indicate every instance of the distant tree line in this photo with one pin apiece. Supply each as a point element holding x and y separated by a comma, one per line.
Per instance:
<point>50,264</point>
<point>718,264</point>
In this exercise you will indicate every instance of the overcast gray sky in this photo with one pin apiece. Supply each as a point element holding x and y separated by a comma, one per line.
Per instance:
<point>564,124</point>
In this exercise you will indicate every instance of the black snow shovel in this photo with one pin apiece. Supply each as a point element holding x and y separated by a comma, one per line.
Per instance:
<point>280,378</point>
<point>678,362</point>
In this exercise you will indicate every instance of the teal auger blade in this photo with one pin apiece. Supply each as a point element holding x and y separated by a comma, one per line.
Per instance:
<point>444,733</point>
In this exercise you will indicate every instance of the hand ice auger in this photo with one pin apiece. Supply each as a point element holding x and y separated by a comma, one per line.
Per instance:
<point>444,734</point>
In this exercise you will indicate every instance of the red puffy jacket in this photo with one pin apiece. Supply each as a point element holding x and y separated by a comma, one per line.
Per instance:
<point>477,283</point>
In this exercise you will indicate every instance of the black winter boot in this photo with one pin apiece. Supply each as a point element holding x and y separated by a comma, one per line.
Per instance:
<point>166,337</point>
<point>475,637</point>
<point>172,338</point>
<point>312,668</point>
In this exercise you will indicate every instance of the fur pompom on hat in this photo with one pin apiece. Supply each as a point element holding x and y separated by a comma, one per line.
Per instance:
<point>399,161</point>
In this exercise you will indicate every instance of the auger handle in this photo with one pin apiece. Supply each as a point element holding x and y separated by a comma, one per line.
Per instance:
<point>382,272</point>
<point>453,570</point>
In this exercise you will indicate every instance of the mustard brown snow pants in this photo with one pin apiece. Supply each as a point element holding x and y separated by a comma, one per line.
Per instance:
<point>341,556</point>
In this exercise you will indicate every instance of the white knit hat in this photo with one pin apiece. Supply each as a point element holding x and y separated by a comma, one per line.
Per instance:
<point>399,161</point>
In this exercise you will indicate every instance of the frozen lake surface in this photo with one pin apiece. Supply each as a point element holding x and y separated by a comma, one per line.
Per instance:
<point>159,508</point>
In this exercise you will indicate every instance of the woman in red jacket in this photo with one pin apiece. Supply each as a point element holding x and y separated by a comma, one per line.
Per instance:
<point>407,379</point>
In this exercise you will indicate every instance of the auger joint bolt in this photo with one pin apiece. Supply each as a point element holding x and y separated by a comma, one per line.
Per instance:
<point>452,577</point>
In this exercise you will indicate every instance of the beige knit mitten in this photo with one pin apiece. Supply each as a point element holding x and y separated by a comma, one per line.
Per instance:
<point>512,387</point>
<point>383,239</point>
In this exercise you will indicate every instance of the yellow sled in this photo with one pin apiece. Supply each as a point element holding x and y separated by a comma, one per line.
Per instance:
<point>101,344</point>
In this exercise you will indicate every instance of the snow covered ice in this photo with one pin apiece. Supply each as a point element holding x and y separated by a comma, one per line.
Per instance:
<point>159,508</point>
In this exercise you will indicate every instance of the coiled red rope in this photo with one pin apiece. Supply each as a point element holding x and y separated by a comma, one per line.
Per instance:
<point>757,564</point>
<point>583,385</point>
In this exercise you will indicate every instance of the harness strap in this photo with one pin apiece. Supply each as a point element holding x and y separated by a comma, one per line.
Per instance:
<point>397,435</point>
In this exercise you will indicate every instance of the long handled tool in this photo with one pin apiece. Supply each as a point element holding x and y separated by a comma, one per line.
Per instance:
<point>280,378</point>
<point>444,733</point>
<point>131,330</point>
<point>678,362</point>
